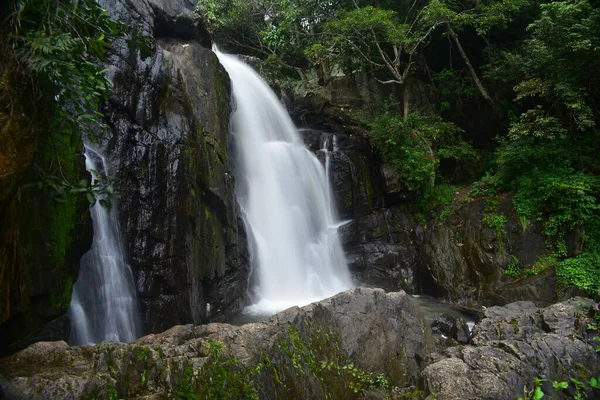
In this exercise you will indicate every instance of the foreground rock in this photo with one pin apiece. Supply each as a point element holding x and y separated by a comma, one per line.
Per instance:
<point>514,345</point>
<point>360,344</point>
<point>302,353</point>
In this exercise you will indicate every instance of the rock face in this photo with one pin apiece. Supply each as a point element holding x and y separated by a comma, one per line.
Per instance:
<point>358,344</point>
<point>303,353</point>
<point>168,149</point>
<point>461,259</point>
<point>41,240</point>
<point>511,347</point>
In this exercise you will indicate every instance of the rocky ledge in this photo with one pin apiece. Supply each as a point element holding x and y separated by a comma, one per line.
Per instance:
<point>362,343</point>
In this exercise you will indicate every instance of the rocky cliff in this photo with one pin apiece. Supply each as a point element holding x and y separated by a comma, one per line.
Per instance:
<point>42,233</point>
<point>458,257</point>
<point>168,149</point>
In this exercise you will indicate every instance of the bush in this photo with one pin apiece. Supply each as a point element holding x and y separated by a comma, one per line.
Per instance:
<point>562,198</point>
<point>436,198</point>
<point>415,146</point>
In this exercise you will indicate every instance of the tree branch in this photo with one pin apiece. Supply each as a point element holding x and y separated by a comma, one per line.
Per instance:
<point>472,71</point>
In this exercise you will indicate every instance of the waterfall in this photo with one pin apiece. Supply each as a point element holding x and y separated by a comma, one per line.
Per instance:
<point>104,304</point>
<point>283,191</point>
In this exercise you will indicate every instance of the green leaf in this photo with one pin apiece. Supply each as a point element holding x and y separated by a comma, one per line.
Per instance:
<point>560,385</point>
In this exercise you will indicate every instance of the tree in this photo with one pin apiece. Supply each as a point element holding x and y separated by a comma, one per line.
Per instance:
<point>282,33</point>
<point>482,16</point>
<point>380,39</point>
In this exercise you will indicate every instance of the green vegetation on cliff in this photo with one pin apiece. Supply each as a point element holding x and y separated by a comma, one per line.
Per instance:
<point>51,88</point>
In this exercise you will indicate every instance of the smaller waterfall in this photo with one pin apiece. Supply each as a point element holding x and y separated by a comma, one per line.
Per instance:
<point>104,304</point>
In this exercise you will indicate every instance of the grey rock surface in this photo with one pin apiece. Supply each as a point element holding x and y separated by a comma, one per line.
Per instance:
<point>511,347</point>
<point>451,327</point>
<point>380,332</point>
<point>372,331</point>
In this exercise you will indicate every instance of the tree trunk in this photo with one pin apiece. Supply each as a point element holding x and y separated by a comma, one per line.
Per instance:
<point>405,100</point>
<point>478,83</point>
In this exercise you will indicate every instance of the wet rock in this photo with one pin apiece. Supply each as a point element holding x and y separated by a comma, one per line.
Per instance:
<point>353,179</point>
<point>41,240</point>
<point>381,252</point>
<point>168,147</point>
<point>452,327</point>
<point>460,259</point>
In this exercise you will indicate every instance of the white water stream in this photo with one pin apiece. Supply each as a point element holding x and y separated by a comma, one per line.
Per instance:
<point>284,194</point>
<point>104,304</point>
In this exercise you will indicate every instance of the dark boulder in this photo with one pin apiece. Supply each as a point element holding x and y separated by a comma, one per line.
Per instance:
<point>452,327</point>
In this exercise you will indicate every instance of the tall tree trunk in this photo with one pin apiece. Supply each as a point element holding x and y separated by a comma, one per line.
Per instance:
<point>476,79</point>
<point>405,100</point>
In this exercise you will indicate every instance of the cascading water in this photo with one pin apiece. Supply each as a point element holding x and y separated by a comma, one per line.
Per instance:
<point>284,194</point>
<point>104,304</point>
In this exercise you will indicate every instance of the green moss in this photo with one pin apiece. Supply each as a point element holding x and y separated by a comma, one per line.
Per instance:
<point>58,156</point>
<point>61,300</point>
<point>515,325</point>
<point>142,353</point>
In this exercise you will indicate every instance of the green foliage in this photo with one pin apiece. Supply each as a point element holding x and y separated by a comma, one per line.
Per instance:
<point>415,146</point>
<point>549,157</point>
<point>438,197</point>
<point>513,268</point>
<point>554,67</point>
<point>482,16</point>
<point>283,34</point>
<point>563,196</point>
<point>50,54</point>
<point>496,221</point>
<point>534,394</point>
<point>222,377</point>
<point>58,44</point>
<point>452,87</point>
<point>577,389</point>
<point>319,356</point>
<point>367,36</point>
<point>488,186</point>
<point>582,272</point>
